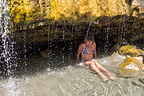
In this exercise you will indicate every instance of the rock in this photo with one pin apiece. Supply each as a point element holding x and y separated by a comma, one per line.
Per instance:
<point>136,60</point>
<point>130,50</point>
<point>142,67</point>
<point>84,11</point>
<point>141,79</point>
<point>131,67</point>
<point>115,53</point>
<point>127,50</point>
<point>128,69</point>
<point>45,53</point>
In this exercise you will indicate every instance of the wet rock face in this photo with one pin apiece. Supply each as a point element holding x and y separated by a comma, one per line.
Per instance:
<point>74,11</point>
<point>36,22</point>
<point>117,31</point>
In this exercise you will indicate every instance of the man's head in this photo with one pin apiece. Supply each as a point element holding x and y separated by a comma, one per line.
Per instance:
<point>89,40</point>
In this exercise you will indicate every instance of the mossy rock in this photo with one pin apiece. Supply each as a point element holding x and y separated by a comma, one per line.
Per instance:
<point>128,69</point>
<point>130,50</point>
<point>131,67</point>
<point>136,60</point>
<point>141,52</point>
<point>142,67</point>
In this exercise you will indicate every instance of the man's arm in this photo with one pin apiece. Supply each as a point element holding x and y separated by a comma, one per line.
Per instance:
<point>79,51</point>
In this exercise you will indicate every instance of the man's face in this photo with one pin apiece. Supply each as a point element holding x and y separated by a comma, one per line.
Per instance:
<point>88,42</point>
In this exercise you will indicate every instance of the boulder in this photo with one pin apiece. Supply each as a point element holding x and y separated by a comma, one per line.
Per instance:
<point>136,60</point>
<point>45,53</point>
<point>130,50</point>
<point>142,67</point>
<point>131,67</point>
<point>128,69</point>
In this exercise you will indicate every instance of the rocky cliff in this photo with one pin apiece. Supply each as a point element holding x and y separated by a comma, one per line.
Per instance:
<point>115,22</point>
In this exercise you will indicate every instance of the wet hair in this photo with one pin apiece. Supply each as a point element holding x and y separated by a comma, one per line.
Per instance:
<point>89,38</point>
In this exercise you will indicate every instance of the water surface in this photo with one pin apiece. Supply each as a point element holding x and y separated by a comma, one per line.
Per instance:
<point>42,79</point>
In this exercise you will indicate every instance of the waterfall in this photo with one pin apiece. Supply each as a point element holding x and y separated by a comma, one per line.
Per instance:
<point>8,55</point>
<point>7,44</point>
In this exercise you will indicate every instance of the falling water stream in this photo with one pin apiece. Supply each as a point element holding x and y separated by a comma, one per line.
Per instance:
<point>4,19</point>
<point>106,45</point>
<point>8,55</point>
